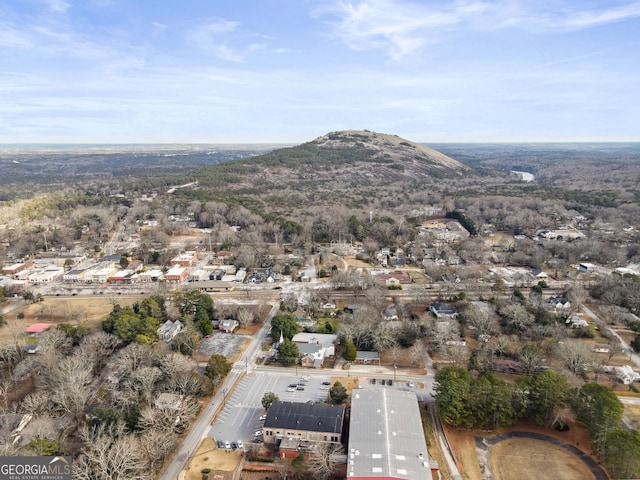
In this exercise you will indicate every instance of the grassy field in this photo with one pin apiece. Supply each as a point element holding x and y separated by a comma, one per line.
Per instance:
<point>76,311</point>
<point>529,459</point>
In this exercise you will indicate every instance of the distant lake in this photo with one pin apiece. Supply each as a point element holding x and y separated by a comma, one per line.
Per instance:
<point>526,176</point>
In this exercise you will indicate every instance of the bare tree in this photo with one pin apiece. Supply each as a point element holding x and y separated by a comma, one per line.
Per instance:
<point>517,316</point>
<point>576,356</point>
<point>244,316</point>
<point>322,463</point>
<point>37,404</point>
<point>110,457</point>
<point>156,446</point>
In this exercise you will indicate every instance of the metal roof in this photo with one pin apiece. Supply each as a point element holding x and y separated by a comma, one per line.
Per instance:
<point>386,439</point>
<point>312,417</point>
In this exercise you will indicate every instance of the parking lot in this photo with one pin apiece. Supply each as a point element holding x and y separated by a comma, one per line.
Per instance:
<point>220,343</point>
<point>239,418</point>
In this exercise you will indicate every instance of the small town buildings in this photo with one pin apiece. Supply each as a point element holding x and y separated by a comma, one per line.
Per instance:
<point>185,259</point>
<point>148,276</point>
<point>122,276</point>
<point>100,273</point>
<point>386,439</point>
<point>315,422</point>
<point>74,276</point>
<point>14,268</point>
<point>48,275</point>
<point>177,275</point>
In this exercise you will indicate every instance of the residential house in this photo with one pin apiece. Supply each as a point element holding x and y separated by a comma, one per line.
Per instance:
<point>601,348</point>
<point>315,422</point>
<point>168,330</point>
<point>559,302</point>
<point>328,304</point>
<point>305,321</point>
<point>626,374</point>
<point>539,274</point>
<point>397,277</point>
<point>228,325</point>
<point>390,312</point>
<point>577,322</point>
<point>443,310</point>
<point>38,328</point>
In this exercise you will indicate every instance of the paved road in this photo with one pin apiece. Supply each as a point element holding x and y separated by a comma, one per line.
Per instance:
<point>634,357</point>
<point>200,427</point>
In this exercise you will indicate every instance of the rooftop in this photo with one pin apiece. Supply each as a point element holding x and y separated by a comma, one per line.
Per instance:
<point>313,417</point>
<point>386,439</point>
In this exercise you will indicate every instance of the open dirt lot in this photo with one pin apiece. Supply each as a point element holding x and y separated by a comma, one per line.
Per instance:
<point>529,459</point>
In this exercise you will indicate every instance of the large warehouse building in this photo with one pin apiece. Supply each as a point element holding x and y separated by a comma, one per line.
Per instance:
<point>386,440</point>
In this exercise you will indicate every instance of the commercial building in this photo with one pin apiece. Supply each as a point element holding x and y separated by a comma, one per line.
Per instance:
<point>386,440</point>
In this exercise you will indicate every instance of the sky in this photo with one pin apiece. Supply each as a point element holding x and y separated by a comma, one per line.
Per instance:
<point>288,71</point>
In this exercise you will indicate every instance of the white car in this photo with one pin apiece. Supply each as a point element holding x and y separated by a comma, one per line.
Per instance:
<point>411,384</point>
<point>258,433</point>
<point>291,389</point>
<point>240,445</point>
<point>262,417</point>
<point>227,445</point>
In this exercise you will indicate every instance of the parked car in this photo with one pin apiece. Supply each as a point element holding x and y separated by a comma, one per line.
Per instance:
<point>411,384</point>
<point>326,382</point>
<point>291,389</point>
<point>258,433</point>
<point>390,382</point>
<point>382,382</point>
<point>300,387</point>
<point>373,381</point>
<point>220,444</point>
<point>240,445</point>
<point>262,417</point>
<point>227,445</point>
<point>234,445</point>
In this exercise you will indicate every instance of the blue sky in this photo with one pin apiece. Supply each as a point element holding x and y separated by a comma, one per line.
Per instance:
<point>229,71</point>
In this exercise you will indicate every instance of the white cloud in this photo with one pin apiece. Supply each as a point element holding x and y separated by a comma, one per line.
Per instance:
<point>215,38</point>
<point>158,28</point>
<point>401,27</point>
<point>58,6</point>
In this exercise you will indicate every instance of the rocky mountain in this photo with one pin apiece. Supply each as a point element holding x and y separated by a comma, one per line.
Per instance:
<point>350,157</point>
